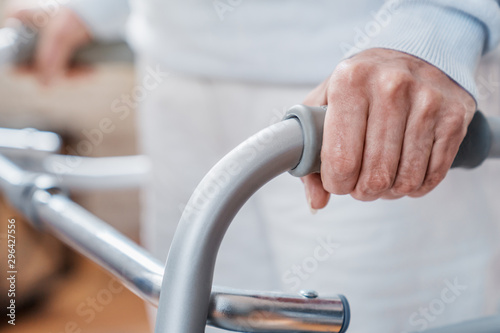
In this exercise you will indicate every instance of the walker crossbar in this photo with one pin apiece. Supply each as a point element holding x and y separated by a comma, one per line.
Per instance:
<point>36,151</point>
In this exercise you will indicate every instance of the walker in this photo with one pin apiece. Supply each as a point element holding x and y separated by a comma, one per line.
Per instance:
<point>182,289</point>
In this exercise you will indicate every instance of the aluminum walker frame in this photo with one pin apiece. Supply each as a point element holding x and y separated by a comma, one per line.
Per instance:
<point>182,289</point>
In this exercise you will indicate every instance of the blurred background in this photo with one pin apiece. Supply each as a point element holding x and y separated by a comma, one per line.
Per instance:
<point>55,282</point>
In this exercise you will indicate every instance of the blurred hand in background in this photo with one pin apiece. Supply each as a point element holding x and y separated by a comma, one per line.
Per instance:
<point>60,34</point>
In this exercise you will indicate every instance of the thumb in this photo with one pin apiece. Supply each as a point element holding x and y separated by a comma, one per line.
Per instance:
<point>317,196</point>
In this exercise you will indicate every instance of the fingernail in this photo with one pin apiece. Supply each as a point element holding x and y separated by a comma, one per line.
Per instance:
<point>309,200</point>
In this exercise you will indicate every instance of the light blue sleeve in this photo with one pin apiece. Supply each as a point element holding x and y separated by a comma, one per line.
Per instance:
<point>449,34</point>
<point>106,19</point>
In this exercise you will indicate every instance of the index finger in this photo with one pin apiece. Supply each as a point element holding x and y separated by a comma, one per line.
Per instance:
<point>344,136</point>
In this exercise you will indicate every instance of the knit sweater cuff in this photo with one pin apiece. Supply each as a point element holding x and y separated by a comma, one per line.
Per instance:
<point>445,37</point>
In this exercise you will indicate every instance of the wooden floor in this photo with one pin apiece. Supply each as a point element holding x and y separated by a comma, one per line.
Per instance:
<point>86,300</point>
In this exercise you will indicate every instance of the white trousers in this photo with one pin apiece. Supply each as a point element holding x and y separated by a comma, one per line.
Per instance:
<point>404,265</point>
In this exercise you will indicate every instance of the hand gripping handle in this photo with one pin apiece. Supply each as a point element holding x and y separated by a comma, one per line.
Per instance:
<point>475,148</point>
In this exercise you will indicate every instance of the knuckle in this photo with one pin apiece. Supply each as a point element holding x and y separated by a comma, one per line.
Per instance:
<point>394,82</point>
<point>410,176</point>
<point>420,193</point>
<point>427,116</point>
<point>338,172</point>
<point>332,185</point>
<point>328,186</point>
<point>456,125</point>
<point>406,186</point>
<point>350,73</point>
<point>341,165</point>
<point>430,98</point>
<point>344,167</point>
<point>362,196</point>
<point>376,182</point>
<point>434,178</point>
<point>334,188</point>
<point>350,65</point>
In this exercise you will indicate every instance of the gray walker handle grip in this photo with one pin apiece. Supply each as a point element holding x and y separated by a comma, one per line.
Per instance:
<point>482,140</point>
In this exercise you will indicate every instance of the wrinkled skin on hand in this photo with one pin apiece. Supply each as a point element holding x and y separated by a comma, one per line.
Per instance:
<point>393,127</point>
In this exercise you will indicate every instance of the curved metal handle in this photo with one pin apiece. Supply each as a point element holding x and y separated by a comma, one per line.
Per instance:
<point>185,294</point>
<point>482,139</point>
<point>293,144</point>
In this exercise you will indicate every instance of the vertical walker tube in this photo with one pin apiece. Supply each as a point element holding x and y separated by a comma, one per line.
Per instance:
<point>187,281</point>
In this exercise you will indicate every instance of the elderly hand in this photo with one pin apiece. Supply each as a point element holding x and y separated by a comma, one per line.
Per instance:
<point>393,127</point>
<point>60,33</point>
